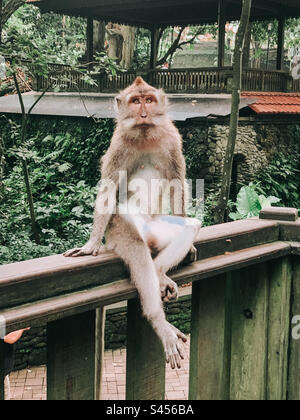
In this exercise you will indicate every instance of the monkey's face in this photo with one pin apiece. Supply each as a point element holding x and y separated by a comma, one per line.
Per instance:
<point>141,106</point>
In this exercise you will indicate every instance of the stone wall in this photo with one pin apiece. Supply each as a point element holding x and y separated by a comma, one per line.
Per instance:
<point>257,143</point>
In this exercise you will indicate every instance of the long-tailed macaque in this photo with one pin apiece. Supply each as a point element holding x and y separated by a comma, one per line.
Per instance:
<point>145,152</point>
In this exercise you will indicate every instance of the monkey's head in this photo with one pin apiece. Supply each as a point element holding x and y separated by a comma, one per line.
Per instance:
<point>141,106</point>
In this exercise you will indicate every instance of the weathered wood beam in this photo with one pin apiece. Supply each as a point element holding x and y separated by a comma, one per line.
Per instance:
<point>249,328</point>
<point>46,277</point>
<point>145,358</point>
<point>90,39</point>
<point>210,340</point>
<point>70,304</point>
<point>294,356</point>
<point>71,358</point>
<point>221,32</point>
<point>279,327</point>
<point>2,370</point>
<point>280,42</point>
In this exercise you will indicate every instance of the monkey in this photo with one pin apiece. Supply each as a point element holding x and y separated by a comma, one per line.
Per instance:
<point>145,147</point>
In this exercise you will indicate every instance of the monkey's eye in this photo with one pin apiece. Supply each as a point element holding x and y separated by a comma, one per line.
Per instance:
<point>149,100</point>
<point>136,101</point>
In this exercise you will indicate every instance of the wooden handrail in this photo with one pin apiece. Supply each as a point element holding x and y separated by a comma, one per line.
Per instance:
<point>68,294</point>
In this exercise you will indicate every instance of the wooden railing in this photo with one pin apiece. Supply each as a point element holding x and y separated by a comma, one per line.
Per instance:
<point>245,295</point>
<point>264,80</point>
<point>206,80</point>
<point>202,80</point>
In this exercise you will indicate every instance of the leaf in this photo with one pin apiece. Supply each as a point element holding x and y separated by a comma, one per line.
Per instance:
<point>248,201</point>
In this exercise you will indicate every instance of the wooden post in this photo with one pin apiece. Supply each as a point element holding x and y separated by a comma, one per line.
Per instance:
<point>90,39</point>
<point>248,368</point>
<point>71,358</point>
<point>1,369</point>
<point>210,339</point>
<point>154,47</point>
<point>280,42</point>
<point>145,364</point>
<point>294,357</point>
<point>99,352</point>
<point>221,33</point>
<point>280,274</point>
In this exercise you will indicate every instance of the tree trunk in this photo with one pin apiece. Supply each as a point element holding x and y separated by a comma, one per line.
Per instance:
<point>128,33</point>
<point>1,8</point>
<point>234,118</point>
<point>121,43</point>
<point>9,8</point>
<point>2,163</point>
<point>246,52</point>
<point>99,36</point>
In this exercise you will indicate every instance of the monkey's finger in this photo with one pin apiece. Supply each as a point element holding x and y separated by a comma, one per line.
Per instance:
<point>173,293</point>
<point>180,352</point>
<point>80,252</point>
<point>69,253</point>
<point>181,336</point>
<point>172,362</point>
<point>178,361</point>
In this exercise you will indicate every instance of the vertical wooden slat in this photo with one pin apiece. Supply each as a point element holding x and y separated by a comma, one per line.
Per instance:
<point>294,357</point>
<point>210,339</point>
<point>99,351</point>
<point>1,370</point>
<point>249,333</point>
<point>71,358</point>
<point>145,364</point>
<point>280,275</point>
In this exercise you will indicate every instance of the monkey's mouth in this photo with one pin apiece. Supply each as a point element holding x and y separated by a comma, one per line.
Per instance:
<point>144,124</point>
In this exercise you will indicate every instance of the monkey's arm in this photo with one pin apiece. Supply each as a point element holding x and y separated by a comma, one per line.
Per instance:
<point>102,212</point>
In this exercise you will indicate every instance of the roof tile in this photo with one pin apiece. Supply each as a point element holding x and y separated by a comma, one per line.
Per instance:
<point>274,102</point>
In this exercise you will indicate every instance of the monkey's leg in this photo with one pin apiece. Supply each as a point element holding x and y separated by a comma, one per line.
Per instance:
<point>134,251</point>
<point>178,247</point>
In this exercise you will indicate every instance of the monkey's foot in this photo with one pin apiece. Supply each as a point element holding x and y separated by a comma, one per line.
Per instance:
<point>172,345</point>
<point>85,250</point>
<point>168,288</point>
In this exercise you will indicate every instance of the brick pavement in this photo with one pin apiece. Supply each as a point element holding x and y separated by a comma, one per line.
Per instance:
<point>30,384</point>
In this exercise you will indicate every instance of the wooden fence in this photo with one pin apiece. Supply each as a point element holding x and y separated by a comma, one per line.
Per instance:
<point>245,293</point>
<point>203,80</point>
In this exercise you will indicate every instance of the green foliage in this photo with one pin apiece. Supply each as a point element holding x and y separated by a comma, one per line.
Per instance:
<point>281,178</point>
<point>61,39</point>
<point>249,203</point>
<point>63,158</point>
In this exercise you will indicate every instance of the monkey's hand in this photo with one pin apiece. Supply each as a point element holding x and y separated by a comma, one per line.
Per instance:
<point>168,288</point>
<point>87,249</point>
<point>173,348</point>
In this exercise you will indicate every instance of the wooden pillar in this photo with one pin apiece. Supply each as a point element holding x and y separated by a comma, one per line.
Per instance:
<point>280,42</point>
<point>221,33</point>
<point>90,39</point>
<point>294,350</point>
<point>280,275</point>
<point>153,52</point>
<point>1,369</point>
<point>249,347</point>
<point>210,339</point>
<point>99,351</point>
<point>71,358</point>
<point>145,361</point>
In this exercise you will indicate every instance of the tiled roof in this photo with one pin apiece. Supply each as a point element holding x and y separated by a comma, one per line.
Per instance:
<point>274,102</point>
